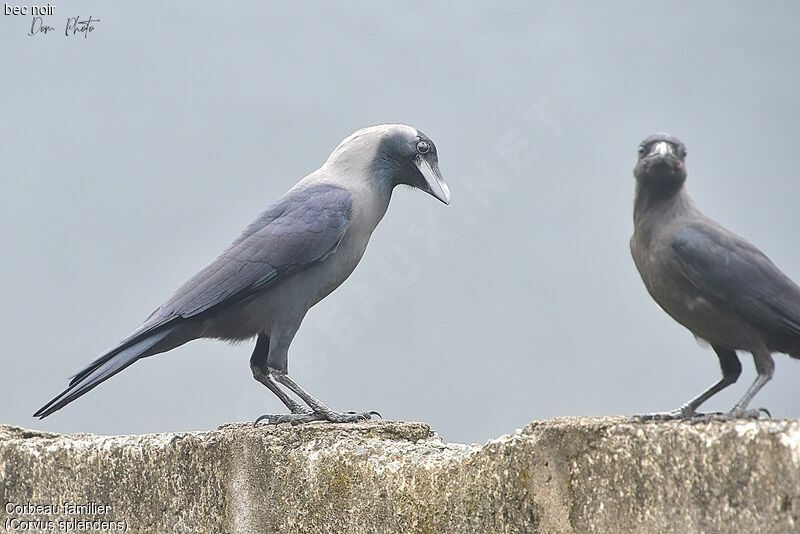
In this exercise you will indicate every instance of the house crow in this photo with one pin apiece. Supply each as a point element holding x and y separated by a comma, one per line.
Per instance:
<point>289,258</point>
<point>710,280</point>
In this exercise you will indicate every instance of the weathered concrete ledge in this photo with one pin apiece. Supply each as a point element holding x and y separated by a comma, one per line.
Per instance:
<point>564,475</point>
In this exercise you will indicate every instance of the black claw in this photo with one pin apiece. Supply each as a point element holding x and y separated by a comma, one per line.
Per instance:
<point>647,417</point>
<point>708,417</point>
<point>363,416</point>
<point>749,414</point>
<point>678,415</point>
<point>306,417</point>
<point>267,416</point>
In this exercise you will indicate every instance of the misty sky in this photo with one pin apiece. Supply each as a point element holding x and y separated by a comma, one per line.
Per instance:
<point>131,157</point>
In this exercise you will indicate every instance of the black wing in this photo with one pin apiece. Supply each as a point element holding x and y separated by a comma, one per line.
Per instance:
<point>300,229</point>
<point>734,272</point>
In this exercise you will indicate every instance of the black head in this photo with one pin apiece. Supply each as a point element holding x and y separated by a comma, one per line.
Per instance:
<point>407,156</point>
<point>661,163</point>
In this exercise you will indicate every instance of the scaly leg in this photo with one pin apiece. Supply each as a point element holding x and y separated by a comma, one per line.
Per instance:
<point>731,369</point>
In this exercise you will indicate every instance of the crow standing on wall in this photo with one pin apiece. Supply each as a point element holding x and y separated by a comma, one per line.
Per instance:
<point>710,280</point>
<point>292,256</point>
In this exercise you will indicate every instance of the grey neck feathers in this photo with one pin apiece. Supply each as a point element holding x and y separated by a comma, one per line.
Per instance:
<point>652,207</point>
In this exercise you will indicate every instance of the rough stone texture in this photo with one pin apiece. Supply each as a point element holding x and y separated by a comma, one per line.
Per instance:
<point>564,475</point>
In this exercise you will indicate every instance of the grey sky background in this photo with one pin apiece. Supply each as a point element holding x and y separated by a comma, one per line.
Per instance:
<point>131,158</point>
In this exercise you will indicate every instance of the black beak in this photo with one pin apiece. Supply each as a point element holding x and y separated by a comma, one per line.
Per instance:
<point>662,153</point>
<point>662,150</point>
<point>434,183</point>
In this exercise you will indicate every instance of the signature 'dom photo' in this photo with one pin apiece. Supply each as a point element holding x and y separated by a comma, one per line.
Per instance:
<point>372,267</point>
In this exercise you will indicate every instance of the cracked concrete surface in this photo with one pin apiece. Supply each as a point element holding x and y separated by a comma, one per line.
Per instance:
<point>562,475</point>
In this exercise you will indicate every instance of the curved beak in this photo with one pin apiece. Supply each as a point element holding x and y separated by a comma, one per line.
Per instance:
<point>434,184</point>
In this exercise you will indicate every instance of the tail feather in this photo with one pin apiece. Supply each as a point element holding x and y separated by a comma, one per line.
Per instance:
<point>104,367</point>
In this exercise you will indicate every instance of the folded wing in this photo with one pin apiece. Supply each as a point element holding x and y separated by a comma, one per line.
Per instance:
<point>300,229</point>
<point>733,272</point>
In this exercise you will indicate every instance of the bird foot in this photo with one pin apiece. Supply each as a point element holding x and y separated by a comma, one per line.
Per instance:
<point>330,416</point>
<point>658,416</point>
<point>296,411</point>
<point>711,416</point>
<point>681,414</point>
<point>755,413</point>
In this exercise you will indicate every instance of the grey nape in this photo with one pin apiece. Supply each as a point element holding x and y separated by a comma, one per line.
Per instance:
<point>290,257</point>
<point>710,280</point>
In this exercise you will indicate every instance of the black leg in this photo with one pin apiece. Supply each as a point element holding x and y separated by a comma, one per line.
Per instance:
<point>269,367</point>
<point>765,367</point>
<point>731,369</point>
<point>321,411</point>
<point>258,364</point>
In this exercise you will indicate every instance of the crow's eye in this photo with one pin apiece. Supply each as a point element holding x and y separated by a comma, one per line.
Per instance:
<point>423,147</point>
<point>641,150</point>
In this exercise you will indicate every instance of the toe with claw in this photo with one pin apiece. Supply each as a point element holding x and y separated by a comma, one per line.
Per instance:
<point>755,413</point>
<point>308,416</point>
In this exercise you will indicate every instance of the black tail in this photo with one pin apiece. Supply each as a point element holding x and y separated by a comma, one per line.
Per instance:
<point>104,367</point>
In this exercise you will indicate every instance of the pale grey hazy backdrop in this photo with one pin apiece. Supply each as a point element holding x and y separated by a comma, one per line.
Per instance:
<point>129,159</point>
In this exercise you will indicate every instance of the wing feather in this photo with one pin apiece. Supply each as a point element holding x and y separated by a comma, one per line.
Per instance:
<point>300,229</point>
<point>732,271</point>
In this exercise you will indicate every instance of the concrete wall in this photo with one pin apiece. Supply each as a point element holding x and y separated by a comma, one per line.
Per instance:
<point>564,475</point>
